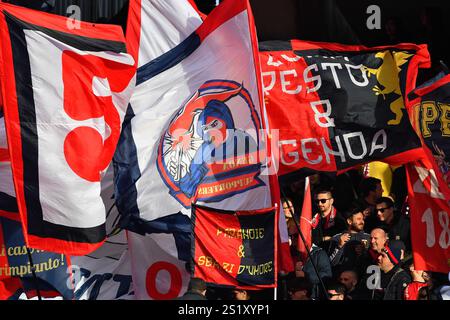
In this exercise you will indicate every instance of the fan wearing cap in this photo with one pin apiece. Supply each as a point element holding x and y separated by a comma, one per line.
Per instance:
<point>196,290</point>
<point>394,279</point>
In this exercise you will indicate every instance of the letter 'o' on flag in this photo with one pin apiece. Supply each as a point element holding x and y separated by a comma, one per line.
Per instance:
<point>67,92</point>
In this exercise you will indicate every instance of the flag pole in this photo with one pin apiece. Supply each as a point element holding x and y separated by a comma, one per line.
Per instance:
<point>322,285</point>
<point>33,271</point>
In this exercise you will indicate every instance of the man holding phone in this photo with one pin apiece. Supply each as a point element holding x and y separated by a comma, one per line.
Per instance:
<point>348,250</point>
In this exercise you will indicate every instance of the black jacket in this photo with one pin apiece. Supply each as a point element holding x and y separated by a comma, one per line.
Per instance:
<point>399,230</point>
<point>322,262</point>
<point>393,284</point>
<point>320,231</point>
<point>346,258</point>
<point>192,295</point>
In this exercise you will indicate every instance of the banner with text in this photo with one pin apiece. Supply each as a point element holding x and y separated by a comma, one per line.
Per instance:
<point>431,114</point>
<point>235,248</point>
<point>51,268</point>
<point>428,179</point>
<point>68,90</point>
<point>337,106</point>
<point>428,198</point>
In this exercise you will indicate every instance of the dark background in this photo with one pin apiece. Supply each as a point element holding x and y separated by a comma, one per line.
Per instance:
<point>342,21</point>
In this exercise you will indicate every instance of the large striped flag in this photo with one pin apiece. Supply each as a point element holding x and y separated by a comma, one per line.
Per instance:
<point>65,92</point>
<point>191,108</point>
<point>15,268</point>
<point>154,27</point>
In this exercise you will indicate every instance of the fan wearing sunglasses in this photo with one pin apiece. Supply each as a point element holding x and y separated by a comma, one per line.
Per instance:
<point>395,223</point>
<point>327,221</point>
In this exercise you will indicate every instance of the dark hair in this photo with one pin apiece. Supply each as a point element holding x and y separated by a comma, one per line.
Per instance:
<point>197,284</point>
<point>386,200</point>
<point>299,284</point>
<point>423,294</point>
<point>323,189</point>
<point>367,185</point>
<point>354,209</point>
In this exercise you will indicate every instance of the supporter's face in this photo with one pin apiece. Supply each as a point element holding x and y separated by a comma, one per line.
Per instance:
<point>357,222</point>
<point>384,212</point>
<point>299,295</point>
<point>383,261</point>
<point>324,201</point>
<point>377,241</point>
<point>288,208</point>
<point>335,296</point>
<point>348,280</point>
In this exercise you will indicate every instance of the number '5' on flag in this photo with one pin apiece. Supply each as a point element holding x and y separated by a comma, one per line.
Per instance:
<point>65,92</point>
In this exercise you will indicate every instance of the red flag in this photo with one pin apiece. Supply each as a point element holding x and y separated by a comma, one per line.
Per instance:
<point>235,248</point>
<point>305,223</point>
<point>428,189</point>
<point>63,128</point>
<point>337,106</point>
<point>428,200</point>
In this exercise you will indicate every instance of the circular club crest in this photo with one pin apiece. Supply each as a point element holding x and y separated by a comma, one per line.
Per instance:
<point>209,151</point>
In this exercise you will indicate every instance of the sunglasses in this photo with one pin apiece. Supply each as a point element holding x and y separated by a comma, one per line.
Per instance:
<point>322,200</point>
<point>382,209</point>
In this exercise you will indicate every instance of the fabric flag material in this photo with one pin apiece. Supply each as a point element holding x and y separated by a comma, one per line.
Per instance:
<point>428,198</point>
<point>202,143</point>
<point>169,238</point>
<point>432,120</point>
<point>51,268</point>
<point>235,248</point>
<point>156,26</point>
<point>105,274</point>
<point>428,185</point>
<point>8,202</point>
<point>191,111</point>
<point>158,272</point>
<point>167,124</point>
<point>305,223</point>
<point>68,89</point>
<point>337,106</point>
<point>103,278</point>
<point>10,287</point>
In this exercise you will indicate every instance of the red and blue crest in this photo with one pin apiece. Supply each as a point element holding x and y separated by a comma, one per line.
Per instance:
<point>210,150</point>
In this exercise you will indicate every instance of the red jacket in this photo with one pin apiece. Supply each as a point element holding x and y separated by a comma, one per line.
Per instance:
<point>412,290</point>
